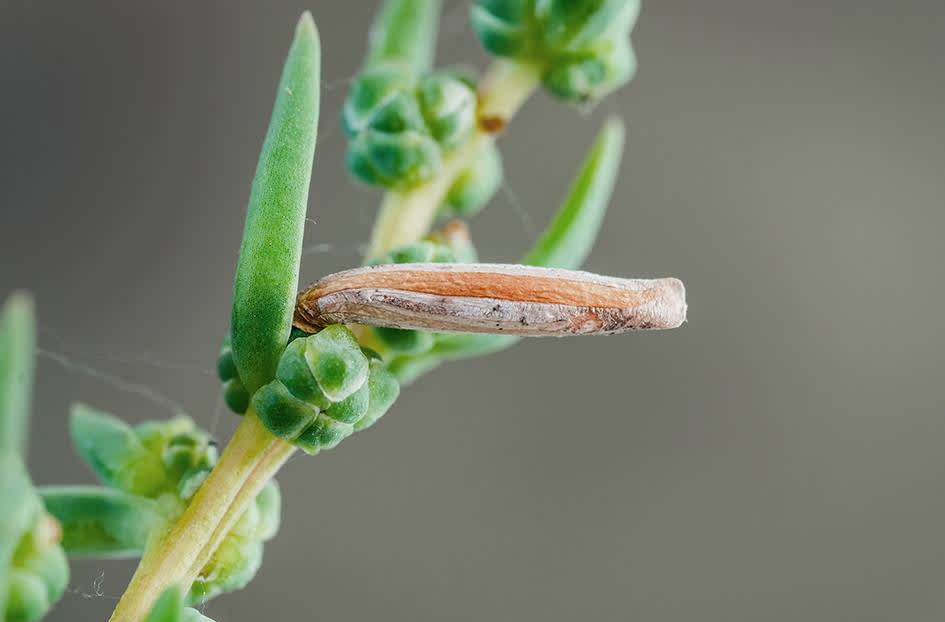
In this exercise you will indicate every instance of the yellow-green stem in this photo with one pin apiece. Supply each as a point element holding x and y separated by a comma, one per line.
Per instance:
<point>171,555</point>
<point>265,470</point>
<point>407,216</point>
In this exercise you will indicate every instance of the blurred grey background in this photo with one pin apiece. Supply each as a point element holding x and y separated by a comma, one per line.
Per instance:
<point>778,458</point>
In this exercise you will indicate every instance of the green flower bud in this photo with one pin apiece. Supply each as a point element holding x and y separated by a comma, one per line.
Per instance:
<point>383,390</point>
<point>425,251</point>
<point>322,391</point>
<point>281,412</point>
<point>148,460</point>
<point>26,597</point>
<point>399,128</point>
<point>169,607</point>
<point>352,408</point>
<point>233,565</point>
<point>403,341</point>
<point>476,185</point>
<point>269,508</point>
<point>235,394</point>
<point>581,47</point>
<point>336,362</point>
<point>239,555</point>
<point>36,585</point>
<point>115,453</point>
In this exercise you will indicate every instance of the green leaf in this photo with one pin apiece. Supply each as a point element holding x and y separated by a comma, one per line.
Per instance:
<point>170,608</point>
<point>404,31</point>
<point>101,522</point>
<point>569,238</point>
<point>17,354</point>
<point>268,270</point>
<point>566,243</point>
<point>115,452</point>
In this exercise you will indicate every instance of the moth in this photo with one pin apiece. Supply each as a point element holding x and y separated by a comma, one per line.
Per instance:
<point>491,298</point>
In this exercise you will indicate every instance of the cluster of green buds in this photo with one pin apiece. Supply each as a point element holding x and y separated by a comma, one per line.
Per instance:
<point>150,472</point>
<point>399,124</point>
<point>402,119</point>
<point>33,568</point>
<point>581,48</point>
<point>327,387</point>
<point>154,460</point>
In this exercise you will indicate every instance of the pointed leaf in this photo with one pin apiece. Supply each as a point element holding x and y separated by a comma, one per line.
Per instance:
<point>101,522</point>
<point>115,453</point>
<point>268,271</point>
<point>569,238</point>
<point>17,353</point>
<point>404,31</point>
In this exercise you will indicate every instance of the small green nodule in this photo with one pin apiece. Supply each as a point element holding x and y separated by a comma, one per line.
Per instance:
<point>400,126</point>
<point>148,460</point>
<point>326,386</point>
<point>169,607</point>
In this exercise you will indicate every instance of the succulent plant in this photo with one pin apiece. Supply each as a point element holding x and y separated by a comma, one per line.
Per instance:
<point>198,519</point>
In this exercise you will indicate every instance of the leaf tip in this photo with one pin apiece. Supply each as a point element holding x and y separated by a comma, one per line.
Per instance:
<point>615,127</point>
<point>306,26</point>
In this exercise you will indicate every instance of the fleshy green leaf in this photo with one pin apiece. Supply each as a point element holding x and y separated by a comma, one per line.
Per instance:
<point>115,453</point>
<point>404,31</point>
<point>101,522</point>
<point>569,238</point>
<point>17,353</point>
<point>268,270</point>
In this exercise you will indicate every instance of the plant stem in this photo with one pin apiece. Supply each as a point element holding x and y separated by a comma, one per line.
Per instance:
<point>407,216</point>
<point>265,470</point>
<point>171,555</point>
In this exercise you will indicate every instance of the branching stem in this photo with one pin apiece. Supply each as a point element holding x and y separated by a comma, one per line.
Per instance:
<point>407,216</point>
<point>267,467</point>
<point>170,556</point>
<point>177,555</point>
